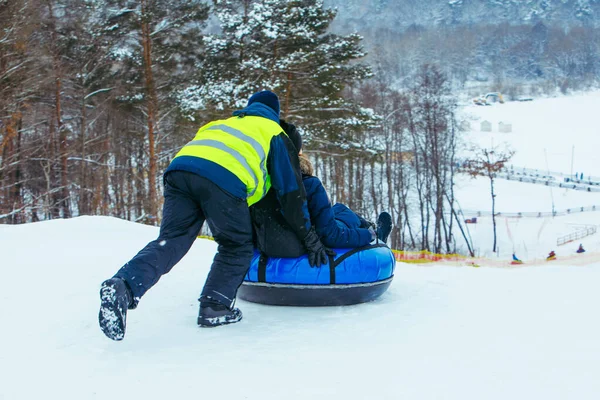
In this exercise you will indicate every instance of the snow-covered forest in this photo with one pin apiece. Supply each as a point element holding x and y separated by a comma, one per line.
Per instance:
<point>96,96</point>
<point>518,47</point>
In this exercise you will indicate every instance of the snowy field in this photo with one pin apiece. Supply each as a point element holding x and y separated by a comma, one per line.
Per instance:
<point>440,332</point>
<point>531,238</point>
<point>548,134</point>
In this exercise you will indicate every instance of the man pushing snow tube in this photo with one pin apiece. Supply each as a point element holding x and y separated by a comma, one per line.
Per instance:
<point>353,276</point>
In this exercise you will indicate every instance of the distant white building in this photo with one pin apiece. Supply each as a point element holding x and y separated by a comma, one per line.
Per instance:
<point>486,126</point>
<point>504,127</point>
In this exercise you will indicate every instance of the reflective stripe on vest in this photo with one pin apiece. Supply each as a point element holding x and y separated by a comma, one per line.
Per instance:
<point>240,145</point>
<point>234,154</point>
<point>257,147</point>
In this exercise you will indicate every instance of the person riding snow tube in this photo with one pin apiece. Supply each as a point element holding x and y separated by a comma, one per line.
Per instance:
<point>515,260</point>
<point>280,273</point>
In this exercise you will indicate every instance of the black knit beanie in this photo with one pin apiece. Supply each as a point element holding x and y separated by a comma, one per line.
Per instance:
<point>267,98</point>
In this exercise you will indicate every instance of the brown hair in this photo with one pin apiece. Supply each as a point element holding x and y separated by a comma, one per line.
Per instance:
<point>306,166</point>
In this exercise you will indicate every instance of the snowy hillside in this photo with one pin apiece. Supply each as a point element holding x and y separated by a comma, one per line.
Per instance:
<point>551,134</point>
<point>439,332</point>
<point>544,131</point>
<point>442,331</point>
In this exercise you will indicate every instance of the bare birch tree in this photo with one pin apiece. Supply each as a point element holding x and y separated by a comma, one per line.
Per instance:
<point>488,162</point>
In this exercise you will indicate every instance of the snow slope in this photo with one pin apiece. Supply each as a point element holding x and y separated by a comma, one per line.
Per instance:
<point>439,332</point>
<point>528,237</point>
<point>544,133</point>
<point>443,331</point>
<point>544,129</point>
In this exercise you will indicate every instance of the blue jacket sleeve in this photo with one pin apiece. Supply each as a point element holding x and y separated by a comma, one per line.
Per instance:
<point>332,233</point>
<point>284,169</point>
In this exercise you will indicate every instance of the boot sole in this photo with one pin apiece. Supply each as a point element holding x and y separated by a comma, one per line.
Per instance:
<point>216,323</point>
<point>111,318</point>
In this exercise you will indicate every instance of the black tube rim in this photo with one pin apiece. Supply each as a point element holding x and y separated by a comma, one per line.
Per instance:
<point>325,287</point>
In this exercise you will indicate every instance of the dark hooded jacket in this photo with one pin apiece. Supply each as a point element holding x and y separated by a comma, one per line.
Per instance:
<point>337,226</point>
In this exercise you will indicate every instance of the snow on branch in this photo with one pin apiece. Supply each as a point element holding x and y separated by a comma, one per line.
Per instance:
<point>98,91</point>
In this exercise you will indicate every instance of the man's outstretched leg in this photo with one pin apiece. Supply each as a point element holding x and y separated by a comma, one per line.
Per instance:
<point>182,220</point>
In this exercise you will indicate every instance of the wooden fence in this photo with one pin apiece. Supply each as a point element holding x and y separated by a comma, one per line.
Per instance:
<point>581,233</point>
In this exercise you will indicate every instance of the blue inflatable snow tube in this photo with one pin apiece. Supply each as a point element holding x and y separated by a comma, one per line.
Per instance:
<point>353,276</point>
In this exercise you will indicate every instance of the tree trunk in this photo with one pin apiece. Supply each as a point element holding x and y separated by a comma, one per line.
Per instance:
<point>389,180</point>
<point>54,199</point>
<point>351,201</point>
<point>493,211</point>
<point>373,192</point>
<point>288,93</point>
<point>62,150</point>
<point>152,108</point>
<point>360,188</point>
<point>83,195</point>
<point>17,191</point>
<point>105,182</point>
<point>62,132</point>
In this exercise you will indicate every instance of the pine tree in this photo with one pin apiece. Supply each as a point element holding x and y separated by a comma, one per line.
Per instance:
<point>154,44</point>
<point>14,93</point>
<point>283,46</point>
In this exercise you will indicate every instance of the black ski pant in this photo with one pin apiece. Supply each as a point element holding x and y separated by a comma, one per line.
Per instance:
<point>191,199</point>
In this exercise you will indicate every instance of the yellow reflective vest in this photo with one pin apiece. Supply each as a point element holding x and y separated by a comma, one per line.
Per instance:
<point>240,145</point>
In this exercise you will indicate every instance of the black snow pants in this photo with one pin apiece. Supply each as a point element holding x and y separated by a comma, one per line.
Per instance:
<point>191,199</point>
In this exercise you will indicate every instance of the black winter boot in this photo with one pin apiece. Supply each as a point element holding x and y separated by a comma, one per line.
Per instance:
<point>384,226</point>
<point>214,314</point>
<point>115,298</point>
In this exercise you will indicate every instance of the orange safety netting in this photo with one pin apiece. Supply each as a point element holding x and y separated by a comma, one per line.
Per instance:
<point>425,256</point>
<point>422,256</point>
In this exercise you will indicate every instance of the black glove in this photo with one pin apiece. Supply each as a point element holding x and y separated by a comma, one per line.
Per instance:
<point>317,252</point>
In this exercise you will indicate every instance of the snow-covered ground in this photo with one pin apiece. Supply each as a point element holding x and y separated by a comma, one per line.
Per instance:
<point>531,238</point>
<point>440,332</point>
